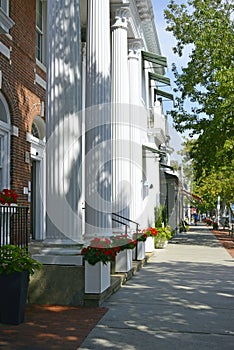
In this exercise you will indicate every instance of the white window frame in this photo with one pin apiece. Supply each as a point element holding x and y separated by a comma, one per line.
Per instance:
<point>4,5</point>
<point>6,22</point>
<point>5,129</point>
<point>41,32</point>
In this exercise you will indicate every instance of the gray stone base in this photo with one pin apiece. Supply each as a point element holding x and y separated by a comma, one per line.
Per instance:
<point>64,285</point>
<point>57,284</point>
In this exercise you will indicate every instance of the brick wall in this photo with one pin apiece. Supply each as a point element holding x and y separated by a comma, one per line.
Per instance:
<point>19,89</point>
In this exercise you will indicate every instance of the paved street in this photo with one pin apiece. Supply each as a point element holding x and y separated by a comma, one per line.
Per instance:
<point>182,299</point>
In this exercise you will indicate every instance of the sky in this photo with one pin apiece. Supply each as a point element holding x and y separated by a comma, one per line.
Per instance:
<point>167,41</point>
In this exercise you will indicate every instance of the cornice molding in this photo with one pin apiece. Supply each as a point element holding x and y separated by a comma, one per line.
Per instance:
<point>141,22</point>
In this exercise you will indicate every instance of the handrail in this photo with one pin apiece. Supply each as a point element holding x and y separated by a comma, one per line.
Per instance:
<point>123,223</point>
<point>122,217</point>
<point>134,222</point>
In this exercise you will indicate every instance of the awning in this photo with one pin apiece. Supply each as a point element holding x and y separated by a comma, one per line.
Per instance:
<point>171,172</point>
<point>193,196</point>
<point>164,94</point>
<point>155,59</point>
<point>159,77</point>
<point>152,148</point>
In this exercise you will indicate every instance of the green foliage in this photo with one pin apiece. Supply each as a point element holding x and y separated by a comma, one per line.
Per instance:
<point>164,233</point>
<point>140,237</point>
<point>208,79</point>
<point>184,226</point>
<point>100,249</point>
<point>15,259</point>
<point>160,215</point>
<point>207,82</point>
<point>122,241</point>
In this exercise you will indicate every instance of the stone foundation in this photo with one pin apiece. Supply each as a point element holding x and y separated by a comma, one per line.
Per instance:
<point>57,284</point>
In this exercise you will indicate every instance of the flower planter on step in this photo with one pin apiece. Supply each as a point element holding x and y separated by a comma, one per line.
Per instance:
<point>97,277</point>
<point>123,261</point>
<point>149,244</point>
<point>161,244</point>
<point>139,251</point>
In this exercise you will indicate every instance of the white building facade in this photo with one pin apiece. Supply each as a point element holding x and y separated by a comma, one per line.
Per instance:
<point>105,124</point>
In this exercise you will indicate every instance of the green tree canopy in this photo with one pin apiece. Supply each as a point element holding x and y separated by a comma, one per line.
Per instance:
<point>207,82</point>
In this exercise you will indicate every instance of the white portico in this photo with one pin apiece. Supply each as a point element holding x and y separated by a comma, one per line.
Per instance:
<point>107,89</point>
<point>102,150</point>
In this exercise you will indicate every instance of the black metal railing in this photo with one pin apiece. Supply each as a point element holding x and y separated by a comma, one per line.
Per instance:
<point>125,219</point>
<point>14,226</point>
<point>123,222</point>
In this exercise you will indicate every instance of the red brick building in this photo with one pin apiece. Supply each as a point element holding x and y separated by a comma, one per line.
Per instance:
<point>22,99</point>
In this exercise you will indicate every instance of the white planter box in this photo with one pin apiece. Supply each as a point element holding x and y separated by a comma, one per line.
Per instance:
<point>161,244</point>
<point>123,261</point>
<point>97,277</point>
<point>139,251</point>
<point>149,245</point>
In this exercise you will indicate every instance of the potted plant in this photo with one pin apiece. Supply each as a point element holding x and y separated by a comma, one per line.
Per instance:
<point>98,255</point>
<point>16,265</point>
<point>123,260</point>
<point>151,232</point>
<point>183,226</point>
<point>8,197</point>
<point>139,238</point>
<point>164,234</point>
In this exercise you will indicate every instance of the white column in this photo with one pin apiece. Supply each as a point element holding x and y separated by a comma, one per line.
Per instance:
<point>120,115</point>
<point>98,151</point>
<point>134,63</point>
<point>63,152</point>
<point>136,113</point>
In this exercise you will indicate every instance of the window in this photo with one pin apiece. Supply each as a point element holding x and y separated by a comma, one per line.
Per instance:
<point>4,143</point>
<point>1,160</point>
<point>38,128</point>
<point>35,131</point>
<point>41,16</point>
<point>4,4</point>
<point>6,22</point>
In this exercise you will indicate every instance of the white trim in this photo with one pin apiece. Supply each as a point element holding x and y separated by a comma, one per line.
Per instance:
<point>5,131</point>
<point>5,50</point>
<point>40,65</point>
<point>38,154</point>
<point>37,146</point>
<point>40,81</point>
<point>6,22</point>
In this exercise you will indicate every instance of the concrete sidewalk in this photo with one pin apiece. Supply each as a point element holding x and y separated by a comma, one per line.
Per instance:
<point>182,299</point>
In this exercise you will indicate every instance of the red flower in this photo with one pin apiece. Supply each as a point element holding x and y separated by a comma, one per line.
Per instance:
<point>8,196</point>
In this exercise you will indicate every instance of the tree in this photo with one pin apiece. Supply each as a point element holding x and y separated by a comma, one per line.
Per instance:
<point>207,82</point>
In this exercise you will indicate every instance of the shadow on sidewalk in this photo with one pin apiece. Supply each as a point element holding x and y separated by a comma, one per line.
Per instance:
<point>197,235</point>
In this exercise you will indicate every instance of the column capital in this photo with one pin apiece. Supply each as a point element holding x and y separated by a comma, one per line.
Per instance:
<point>134,46</point>
<point>121,16</point>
